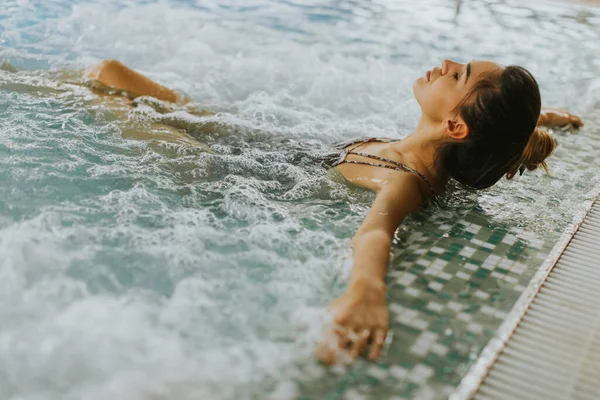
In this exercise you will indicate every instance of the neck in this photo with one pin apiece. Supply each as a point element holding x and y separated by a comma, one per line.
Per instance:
<point>421,146</point>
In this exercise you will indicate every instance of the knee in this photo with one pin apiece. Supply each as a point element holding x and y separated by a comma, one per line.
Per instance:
<point>104,68</point>
<point>111,64</point>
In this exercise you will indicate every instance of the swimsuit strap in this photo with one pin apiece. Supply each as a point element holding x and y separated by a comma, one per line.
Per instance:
<point>399,167</point>
<point>349,147</point>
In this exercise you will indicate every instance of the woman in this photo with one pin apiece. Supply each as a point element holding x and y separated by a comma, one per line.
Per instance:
<point>478,123</point>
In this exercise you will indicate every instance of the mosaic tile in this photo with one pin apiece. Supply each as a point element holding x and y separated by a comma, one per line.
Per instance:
<point>420,373</point>
<point>445,275</point>
<point>450,286</point>
<point>398,372</point>
<point>406,279</point>
<point>447,296</point>
<point>354,394</point>
<point>437,307</point>
<point>462,275</point>
<point>377,372</point>
<point>413,292</point>
<point>426,393</point>
<point>475,328</point>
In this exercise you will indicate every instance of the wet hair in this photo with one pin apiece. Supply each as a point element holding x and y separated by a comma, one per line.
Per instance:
<point>501,112</point>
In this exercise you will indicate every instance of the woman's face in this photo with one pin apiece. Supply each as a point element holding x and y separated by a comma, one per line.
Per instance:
<point>441,89</point>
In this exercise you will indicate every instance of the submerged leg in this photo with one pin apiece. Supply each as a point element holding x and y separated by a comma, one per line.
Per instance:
<point>118,76</point>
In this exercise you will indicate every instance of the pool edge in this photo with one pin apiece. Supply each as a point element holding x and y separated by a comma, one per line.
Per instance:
<point>471,382</point>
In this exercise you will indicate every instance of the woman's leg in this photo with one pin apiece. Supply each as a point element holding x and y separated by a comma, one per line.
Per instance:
<point>116,75</point>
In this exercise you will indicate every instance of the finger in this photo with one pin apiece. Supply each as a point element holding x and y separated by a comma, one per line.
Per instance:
<point>359,343</point>
<point>326,356</point>
<point>344,340</point>
<point>345,335</point>
<point>327,349</point>
<point>377,345</point>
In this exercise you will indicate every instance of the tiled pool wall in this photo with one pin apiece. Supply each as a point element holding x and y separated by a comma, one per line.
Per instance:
<point>450,286</point>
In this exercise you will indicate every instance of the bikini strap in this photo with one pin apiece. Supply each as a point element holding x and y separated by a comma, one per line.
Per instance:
<point>399,167</point>
<point>347,148</point>
<point>359,143</point>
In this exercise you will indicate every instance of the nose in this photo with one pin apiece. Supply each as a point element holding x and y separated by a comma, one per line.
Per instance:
<point>449,66</point>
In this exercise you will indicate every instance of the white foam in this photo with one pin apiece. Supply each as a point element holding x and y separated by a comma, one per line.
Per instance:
<point>139,270</point>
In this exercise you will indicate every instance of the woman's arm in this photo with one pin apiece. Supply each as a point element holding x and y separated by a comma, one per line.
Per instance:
<point>117,75</point>
<point>360,314</point>
<point>558,117</point>
<point>373,239</point>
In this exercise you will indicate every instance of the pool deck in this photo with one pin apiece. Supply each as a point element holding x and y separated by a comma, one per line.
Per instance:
<point>548,346</point>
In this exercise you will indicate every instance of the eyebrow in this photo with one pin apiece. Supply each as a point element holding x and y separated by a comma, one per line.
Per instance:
<point>468,72</point>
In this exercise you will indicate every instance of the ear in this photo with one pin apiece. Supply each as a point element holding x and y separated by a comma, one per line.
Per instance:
<point>456,129</point>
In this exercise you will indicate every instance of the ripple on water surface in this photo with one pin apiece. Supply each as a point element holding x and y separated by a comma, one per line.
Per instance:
<point>141,264</point>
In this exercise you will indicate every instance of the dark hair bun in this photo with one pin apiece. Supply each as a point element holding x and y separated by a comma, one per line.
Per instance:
<point>539,147</point>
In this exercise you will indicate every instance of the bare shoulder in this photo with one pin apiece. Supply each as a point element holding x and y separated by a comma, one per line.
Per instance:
<point>407,189</point>
<point>412,185</point>
<point>396,199</point>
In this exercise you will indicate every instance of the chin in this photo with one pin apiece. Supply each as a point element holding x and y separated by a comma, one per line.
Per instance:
<point>418,88</point>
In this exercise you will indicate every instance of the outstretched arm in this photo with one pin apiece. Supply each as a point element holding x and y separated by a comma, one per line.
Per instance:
<point>118,76</point>
<point>558,117</point>
<point>360,315</point>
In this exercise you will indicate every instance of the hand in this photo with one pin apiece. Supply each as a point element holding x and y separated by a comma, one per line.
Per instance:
<point>558,117</point>
<point>360,316</point>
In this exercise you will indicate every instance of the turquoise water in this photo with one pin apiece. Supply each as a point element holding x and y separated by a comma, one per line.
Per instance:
<point>138,264</point>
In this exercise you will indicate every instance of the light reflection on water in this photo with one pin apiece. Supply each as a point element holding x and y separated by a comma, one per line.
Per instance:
<point>138,268</point>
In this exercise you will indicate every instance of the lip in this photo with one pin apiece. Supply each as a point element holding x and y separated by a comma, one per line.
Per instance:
<point>428,76</point>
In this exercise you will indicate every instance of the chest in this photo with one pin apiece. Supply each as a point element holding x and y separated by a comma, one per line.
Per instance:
<point>370,172</point>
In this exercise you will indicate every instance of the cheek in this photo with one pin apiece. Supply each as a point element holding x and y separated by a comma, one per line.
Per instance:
<point>432,97</point>
<point>443,97</point>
